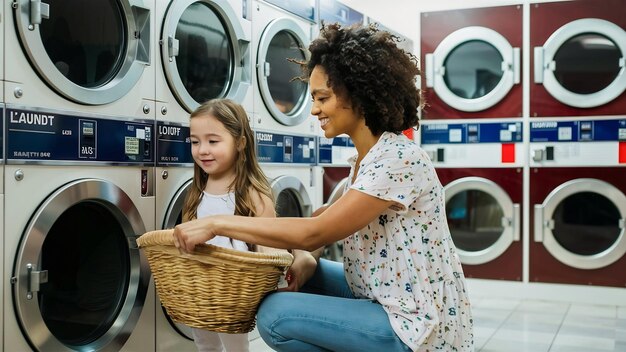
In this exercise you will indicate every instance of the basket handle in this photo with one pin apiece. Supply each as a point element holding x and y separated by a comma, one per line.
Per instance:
<point>156,237</point>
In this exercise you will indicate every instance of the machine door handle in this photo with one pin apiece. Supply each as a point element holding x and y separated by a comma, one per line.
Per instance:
<point>243,50</point>
<point>142,33</point>
<point>38,11</point>
<point>538,225</point>
<point>513,222</point>
<point>516,222</point>
<point>516,65</point>
<point>539,64</point>
<point>429,67</point>
<point>172,47</point>
<point>266,69</point>
<point>34,279</point>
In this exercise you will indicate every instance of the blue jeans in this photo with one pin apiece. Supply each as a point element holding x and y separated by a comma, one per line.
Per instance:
<point>325,316</point>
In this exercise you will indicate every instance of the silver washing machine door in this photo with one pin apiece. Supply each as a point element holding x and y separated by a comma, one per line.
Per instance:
<point>79,281</point>
<point>582,63</point>
<point>582,223</point>
<point>286,99</point>
<point>173,217</point>
<point>290,197</point>
<point>205,52</point>
<point>483,219</point>
<point>93,58</point>
<point>473,68</point>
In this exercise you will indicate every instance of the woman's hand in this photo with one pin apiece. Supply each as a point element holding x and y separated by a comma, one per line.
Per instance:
<point>304,264</point>
<point>301,270</point>
<point>188,234</point>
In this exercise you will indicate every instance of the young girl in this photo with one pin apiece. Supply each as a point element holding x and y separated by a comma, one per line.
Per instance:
<point>227,180</point>
<point>401,286</point>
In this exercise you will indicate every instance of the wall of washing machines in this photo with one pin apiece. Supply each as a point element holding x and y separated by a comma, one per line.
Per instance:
<point>95,148</point>
<point>526,124</point>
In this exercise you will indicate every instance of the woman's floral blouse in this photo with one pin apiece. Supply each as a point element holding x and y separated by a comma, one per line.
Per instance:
<point>405,259</point>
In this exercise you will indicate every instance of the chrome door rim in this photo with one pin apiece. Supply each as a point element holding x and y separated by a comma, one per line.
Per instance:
<point>136,58</point>
<point>544,56</point>
<point>510,232</point>
<point>545,211</point>
<point>29,252</point>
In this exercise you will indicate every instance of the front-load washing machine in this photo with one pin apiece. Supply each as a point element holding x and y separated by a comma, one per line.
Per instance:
<point>81,56</point>
<point>578,61</point>
<point>281,32</point>
<point>289,164</point>
<point>472,62</point>
<point>480,166</point>
<point>205,53</point>
<point>74,278</point>
<point>578,202</point>
<point>174,173</point>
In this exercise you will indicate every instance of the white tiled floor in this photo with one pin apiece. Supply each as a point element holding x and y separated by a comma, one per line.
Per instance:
<point>513,325</point>
<point>534,325</point>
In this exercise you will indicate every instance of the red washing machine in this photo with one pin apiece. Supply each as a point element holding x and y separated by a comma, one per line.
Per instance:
<point>480,167</point>
<point>335,178</point>
<point>578,202</point>
<point>578,59</point>
<point>472,63</point>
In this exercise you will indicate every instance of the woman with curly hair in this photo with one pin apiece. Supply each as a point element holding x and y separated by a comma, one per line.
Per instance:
<point>401,286</point>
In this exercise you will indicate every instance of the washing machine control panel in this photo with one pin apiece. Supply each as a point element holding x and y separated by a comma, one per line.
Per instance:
<point>286,149</point>
<point>496,144</point>
<point>173,146</point>
<point>332,11</point>
<point>304,9</point>
<point>335,151</point>
<point>49,137</point>
<point>578,143</point>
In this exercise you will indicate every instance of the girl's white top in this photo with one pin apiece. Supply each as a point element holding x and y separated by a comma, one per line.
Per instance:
<point>223,204</point>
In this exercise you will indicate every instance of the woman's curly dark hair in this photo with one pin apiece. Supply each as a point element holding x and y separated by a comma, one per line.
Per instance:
<point>366,66</point>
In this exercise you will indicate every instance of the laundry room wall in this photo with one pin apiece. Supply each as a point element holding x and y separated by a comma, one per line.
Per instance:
<point>404,18</point>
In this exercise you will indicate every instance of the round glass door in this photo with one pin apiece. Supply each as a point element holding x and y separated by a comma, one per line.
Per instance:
<point>581,223</point>
<point>582,63</point>
<point>203,46</point>
<point>290,197</point>
<point>285,97</point>
<point>95,58</point>
<point>482,218</point>
<point>81,281</point>
<point>173,217</point>
<point>473,68</point>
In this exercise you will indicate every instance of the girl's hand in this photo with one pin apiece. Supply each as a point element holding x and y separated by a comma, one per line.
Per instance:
<point>188,234</point>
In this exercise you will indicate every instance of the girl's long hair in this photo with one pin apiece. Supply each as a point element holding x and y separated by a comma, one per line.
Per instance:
<point>248,174</point>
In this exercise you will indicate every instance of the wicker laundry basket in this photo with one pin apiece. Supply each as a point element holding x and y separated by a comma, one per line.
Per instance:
<point>213,288</point>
